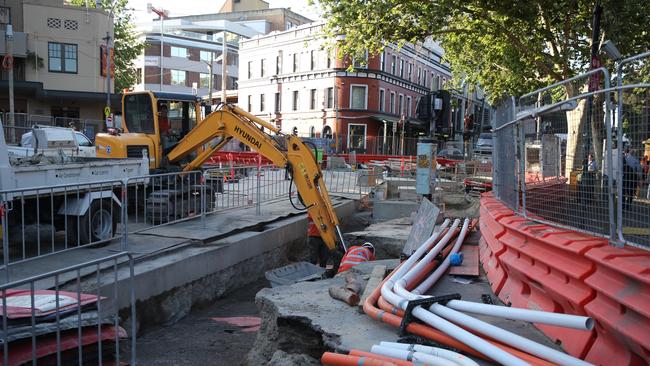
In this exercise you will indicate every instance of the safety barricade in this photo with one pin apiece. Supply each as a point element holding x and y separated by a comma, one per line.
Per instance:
<point>537,266</point>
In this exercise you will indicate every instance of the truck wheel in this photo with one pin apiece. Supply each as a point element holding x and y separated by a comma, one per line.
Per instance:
<point>97,224</point>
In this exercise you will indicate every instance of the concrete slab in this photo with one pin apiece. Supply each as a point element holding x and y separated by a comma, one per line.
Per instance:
<point>390,209</point>
<point>388,237</point>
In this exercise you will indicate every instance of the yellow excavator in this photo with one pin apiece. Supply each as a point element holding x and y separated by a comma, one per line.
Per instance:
<point>168,128</point>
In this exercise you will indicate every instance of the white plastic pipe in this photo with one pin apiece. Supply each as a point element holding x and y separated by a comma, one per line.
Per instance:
<point>411,356</point>
<point>479,344</point>
<point>528,315</point>
<point>435,351</point>
<point>507,337</point>
<point>435,276</point>
<point>410,275</point>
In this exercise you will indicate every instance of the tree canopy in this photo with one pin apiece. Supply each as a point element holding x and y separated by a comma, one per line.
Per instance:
<point>508,47</point>
<point>127,47</point>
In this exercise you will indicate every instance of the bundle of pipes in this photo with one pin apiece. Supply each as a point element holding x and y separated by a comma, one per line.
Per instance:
<point>448,324</point>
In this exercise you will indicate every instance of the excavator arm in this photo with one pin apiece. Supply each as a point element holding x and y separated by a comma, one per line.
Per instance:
<point>233,122</point>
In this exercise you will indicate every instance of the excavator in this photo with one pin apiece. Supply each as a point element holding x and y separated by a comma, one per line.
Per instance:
<point>169,130</point>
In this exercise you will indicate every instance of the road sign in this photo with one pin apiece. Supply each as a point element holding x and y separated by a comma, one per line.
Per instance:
<point>107,111</point>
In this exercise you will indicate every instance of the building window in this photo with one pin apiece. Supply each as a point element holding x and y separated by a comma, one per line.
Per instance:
<point>250,103</point>
<point>392,102</point>
<point>312,132</point>
<point>178,77</point>
<point>312,99</point>
<point>409,105</point>
<point>278,102</point>
<point>400,105</point>
<point>262,106</point>
<point>401,67</point>
<point>329,59</point>
<point>204,80</point>
<point>294,101</point>
<point>295,62</point>
<point>435,83</point>
<point>382,100</point>
<point>419,75</point>
<point>329,98</point>
<point>290,25</point>
<point>312,60</point>
<point>392,65</point>
<point>205,56</point>
<point>424,78</point>
<point>410,72</point>
<point>62,57</point>
<point>278,65</point>
<point>263,67</point>
<point>358,96</point>
<point>361,62</point>
<point>178,52</point>
<point>250,69</point>
<point>356,136</point>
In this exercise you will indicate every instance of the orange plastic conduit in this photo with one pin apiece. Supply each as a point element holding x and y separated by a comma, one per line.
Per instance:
<point>336,359</point>
<point>398,362</point>
<point>387,316</point>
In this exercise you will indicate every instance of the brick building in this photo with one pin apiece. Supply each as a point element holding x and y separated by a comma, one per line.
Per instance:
<point>288,78</point>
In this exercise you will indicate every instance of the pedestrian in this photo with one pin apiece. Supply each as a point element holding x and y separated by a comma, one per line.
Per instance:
<point>319,253</point>
<point>631,170</point>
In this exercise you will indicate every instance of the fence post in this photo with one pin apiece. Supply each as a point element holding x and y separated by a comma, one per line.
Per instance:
<point>124,213</point>
<point>259,167</point>
<point>5,237</point>
<point>204,191</point>
<point>522,166</point>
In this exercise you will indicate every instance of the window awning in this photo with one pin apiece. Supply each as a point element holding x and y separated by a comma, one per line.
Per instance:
<point>384,118</point>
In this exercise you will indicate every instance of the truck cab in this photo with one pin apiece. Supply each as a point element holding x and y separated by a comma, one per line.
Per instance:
<point>152,124</point>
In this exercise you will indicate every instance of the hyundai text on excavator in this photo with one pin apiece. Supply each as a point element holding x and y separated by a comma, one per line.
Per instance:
<point>169,129</point>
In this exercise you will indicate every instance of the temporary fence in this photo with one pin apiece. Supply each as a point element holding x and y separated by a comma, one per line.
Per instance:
<point>40,221</point>
<point>23,123</point>
<point>71,315</point>
<point>575,161</point>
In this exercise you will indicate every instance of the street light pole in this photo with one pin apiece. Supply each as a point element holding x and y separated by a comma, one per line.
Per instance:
<point>224,70</point>
<point>108,70</point>
<point>161,16</point>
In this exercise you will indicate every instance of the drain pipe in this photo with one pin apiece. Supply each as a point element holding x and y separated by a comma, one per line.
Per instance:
<point>435,351</point>
<point>527,315</point>
<point>416,357</point>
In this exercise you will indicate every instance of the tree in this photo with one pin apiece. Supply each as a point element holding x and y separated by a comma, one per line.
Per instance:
<point>127,45</point>
<point>508,47</point>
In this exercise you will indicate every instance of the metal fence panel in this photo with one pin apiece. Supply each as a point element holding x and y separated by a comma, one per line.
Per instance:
<point>40,221</point>
<point>503,155</point>
<point>71,316</point>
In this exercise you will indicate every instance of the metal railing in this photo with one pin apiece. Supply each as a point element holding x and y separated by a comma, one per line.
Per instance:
<point>71,315</point>
<point>23,123</point>
<point>574,161</point>
<point>40,221</point>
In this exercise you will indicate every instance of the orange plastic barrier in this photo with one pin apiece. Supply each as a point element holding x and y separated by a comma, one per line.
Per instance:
<point>536,266</point>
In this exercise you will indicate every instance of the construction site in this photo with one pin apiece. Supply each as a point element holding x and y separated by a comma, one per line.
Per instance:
<point>200,233</point>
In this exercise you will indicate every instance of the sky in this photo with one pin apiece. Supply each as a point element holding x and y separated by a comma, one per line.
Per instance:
<point>187,7</point>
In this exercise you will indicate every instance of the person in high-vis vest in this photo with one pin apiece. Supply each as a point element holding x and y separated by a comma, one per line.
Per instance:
<point>318,251</point>
<point>356,255</point>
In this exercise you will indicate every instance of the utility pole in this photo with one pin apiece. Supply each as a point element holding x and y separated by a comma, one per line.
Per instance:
<point>210,81</point>
<point>161,16</point>
<point>108,70</point>
<point>224,70</point>
<point>10,55</point>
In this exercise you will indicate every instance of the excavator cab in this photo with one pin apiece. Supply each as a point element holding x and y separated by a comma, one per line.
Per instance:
<point>153,122</point>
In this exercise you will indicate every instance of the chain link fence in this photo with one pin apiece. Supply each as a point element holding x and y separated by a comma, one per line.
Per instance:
<point>567,155</point>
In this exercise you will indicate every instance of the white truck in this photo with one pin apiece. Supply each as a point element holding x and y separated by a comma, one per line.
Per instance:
<point>53,185</point>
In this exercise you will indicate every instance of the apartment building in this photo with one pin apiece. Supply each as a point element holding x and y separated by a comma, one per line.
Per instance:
<point>192,45</point>
<point>57,61</point>
<point>288,77</point>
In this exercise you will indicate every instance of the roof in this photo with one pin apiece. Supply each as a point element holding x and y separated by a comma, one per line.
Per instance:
<point>175,96</point>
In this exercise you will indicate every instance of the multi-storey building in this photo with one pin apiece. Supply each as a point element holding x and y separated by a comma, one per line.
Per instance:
<point>193,45</point>
<point>57,61</point>
<point>288,77</point>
